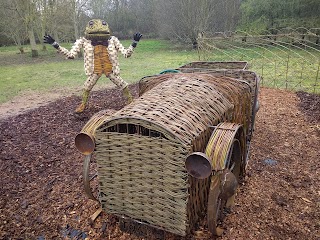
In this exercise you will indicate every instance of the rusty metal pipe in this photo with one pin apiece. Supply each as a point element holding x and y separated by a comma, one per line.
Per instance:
<point>84,140</point>
<point>198,165</point>
<point>85,143</point>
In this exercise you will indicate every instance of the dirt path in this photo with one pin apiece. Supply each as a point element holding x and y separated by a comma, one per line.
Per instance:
<point>41,184</point>
<point>29,100</point>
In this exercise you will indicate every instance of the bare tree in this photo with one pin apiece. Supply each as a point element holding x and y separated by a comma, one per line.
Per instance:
<point>64,19</point>
<point>144,16</point>
<point>11,25</point>
<point>41,21</point>
<point>122,15</point>
<point>78,8</point>
<point>101,9</point>
<point>25,11</point>
<point>60,19</point>
<point>186,19</point>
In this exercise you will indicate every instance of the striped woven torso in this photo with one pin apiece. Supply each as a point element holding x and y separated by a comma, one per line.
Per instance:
<point>102,62</point>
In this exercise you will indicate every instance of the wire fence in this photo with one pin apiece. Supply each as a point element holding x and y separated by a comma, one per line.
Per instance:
<point>284,58</point>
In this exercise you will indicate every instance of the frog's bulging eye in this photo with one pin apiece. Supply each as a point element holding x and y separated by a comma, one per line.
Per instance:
<point>91,23</point>
<point>103,22</point>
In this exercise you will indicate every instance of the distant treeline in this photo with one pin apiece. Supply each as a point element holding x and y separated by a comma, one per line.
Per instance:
<point>26,21</point>
<point>260,15</point>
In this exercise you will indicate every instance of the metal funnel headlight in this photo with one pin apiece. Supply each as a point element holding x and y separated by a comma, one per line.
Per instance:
<point>85,143</point>
<point>198,165</point>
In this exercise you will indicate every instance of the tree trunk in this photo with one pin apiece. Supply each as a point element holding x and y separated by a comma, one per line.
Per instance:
<point>34,50</point>
<point>76,28</point>
<point>44,24</point>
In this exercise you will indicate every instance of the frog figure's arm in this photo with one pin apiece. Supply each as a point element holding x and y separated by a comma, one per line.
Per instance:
<point>69,54</point>
<point>126,52</point>
<point>74,50</point>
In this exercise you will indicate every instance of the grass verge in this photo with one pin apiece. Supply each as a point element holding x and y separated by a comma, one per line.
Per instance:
<point>50,71</point>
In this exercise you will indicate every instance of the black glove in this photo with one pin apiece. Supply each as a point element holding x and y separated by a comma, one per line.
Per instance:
<point>136,39</point>
<point>48,39</point>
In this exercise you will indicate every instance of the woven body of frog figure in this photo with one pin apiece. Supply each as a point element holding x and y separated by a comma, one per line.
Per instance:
<point>100,57</point>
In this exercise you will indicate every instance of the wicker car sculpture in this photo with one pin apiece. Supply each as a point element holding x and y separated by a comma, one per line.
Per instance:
<point>178,152</point>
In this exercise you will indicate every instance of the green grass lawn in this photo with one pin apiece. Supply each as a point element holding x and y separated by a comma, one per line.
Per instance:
<point>52,72</point>
<point>20,72</point>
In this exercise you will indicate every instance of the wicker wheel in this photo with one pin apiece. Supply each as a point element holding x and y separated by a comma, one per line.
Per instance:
<point>223,187</point>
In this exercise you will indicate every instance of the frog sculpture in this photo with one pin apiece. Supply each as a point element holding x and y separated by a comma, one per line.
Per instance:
<point>100,51</point>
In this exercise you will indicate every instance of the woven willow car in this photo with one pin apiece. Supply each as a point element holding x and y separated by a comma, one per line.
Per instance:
<point>177,153</point>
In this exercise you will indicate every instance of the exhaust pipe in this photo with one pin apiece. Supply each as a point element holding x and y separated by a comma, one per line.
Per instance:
<point>85,143</point>
<point>84,140</point>
<point>198,165</point>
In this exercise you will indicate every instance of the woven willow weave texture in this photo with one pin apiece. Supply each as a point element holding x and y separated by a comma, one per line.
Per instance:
<point>141,149</point>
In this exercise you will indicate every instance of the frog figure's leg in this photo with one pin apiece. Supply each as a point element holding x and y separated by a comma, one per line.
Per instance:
<point>87,86</point>
<point>117,80</point>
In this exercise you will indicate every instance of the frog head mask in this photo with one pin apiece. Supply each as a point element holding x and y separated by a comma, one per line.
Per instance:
<point>97,29</point>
